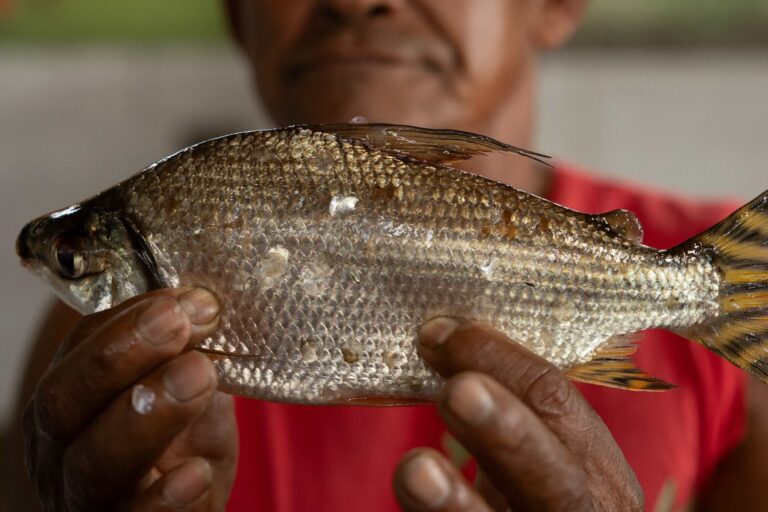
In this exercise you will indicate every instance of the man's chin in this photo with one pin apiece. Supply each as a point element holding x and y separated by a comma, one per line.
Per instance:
<point>376,102</point>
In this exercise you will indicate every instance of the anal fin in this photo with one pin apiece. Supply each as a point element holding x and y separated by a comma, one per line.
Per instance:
<point>615,373</point>
<point>612,367</point>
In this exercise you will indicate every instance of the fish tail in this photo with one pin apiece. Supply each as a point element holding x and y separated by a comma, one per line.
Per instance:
<point>738,246</point>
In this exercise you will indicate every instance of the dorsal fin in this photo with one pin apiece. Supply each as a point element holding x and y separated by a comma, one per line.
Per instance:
<point>436,146</point>
<point>625,224</point>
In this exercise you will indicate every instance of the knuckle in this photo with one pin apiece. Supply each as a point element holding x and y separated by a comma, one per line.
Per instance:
<point>513,429</point>
<point>572,492</point>
<point>547,390</point>
<point>105,360</point>
<point>117,349</point>
<point>574,496</point>
<point>45,414</point>
<point>176,327</point>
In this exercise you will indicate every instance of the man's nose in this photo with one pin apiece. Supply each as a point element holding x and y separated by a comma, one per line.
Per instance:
<point>358,10</point>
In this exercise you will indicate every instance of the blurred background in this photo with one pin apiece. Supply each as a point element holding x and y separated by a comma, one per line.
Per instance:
<point>671,94</point>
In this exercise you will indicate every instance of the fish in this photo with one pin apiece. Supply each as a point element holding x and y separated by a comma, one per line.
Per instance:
<point>328,246</point>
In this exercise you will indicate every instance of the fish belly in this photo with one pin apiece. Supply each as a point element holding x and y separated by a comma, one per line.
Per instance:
<point>327,310</point>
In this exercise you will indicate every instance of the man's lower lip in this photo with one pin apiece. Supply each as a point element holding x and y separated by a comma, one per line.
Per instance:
<point>326,66</point>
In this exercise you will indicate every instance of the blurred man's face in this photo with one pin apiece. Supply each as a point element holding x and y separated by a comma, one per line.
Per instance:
<point>445,63</point>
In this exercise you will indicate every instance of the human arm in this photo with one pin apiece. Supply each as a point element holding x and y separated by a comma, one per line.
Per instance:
<point>87,445</point>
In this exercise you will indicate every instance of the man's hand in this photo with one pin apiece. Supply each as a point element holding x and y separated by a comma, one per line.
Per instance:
<point>539,445</point>
<point>126,418</point>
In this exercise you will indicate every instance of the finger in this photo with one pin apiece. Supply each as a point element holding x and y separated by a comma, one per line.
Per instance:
<point>185,487</point>
<point>90,324</point>
<point>425,481</point>
<point>125,440</point>
<point>495,499</point>
<point>452,347</point>
<point>122,350</point>
<point>41,458</point>
<point>212,435</point>
<point>517,452</point>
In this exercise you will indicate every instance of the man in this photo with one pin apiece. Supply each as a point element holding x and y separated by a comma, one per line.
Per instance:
<point>539,444</point>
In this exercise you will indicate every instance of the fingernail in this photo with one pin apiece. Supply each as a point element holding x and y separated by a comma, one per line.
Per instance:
<point>161,321</point>
<point>187,484</point>
<point>426,481</point>
<point>470,400</point>
<point>188,377</point>
<point>200,306</point>
<point>436,331</point>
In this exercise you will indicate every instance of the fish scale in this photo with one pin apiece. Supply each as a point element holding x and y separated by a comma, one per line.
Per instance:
<point>328,246</point>
<point>394,263</point>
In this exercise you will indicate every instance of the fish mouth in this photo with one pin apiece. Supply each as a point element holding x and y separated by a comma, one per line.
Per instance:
<point>22,246</point>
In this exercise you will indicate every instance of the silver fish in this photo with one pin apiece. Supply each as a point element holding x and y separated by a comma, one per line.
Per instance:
<point>328,246</point>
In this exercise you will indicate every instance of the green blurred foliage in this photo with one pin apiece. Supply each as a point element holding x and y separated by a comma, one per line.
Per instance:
<point>623,22</point>
<point>664,22</point>
<point>139,21</point>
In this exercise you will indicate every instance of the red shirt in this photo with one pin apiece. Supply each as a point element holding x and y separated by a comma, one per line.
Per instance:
<point>342,458</point>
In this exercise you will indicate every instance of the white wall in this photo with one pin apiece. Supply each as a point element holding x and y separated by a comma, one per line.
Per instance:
<point>74,122</point>
<point>693,121</point>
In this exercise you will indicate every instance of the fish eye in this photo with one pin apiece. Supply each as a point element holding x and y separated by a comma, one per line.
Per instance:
<point>70,257</point>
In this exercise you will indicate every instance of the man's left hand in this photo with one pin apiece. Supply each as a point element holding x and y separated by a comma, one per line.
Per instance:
<point>538,443</point>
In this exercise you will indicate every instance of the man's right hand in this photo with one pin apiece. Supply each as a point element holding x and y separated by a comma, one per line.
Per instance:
<point>127,418</point>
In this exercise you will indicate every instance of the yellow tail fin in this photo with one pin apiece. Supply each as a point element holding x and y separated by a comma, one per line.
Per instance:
<point>739,247</point>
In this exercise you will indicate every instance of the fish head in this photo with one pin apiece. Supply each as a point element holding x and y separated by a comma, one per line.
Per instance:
<point>86,254</point>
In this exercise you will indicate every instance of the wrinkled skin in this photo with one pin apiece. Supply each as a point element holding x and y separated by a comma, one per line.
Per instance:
<point>87,446</point>
<point>540,448</point>
<point>539,445</point>
<point>350,52</point>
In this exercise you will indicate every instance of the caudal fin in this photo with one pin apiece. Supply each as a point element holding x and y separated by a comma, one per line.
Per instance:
<point>739,247</point>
